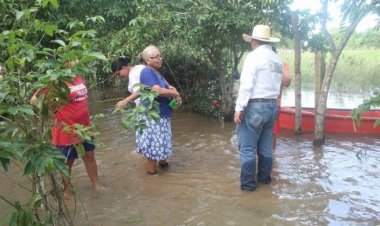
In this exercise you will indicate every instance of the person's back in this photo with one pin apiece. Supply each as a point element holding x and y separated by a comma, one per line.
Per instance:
<point>256,108</point>
<point>267,71</point>
<point>134,78</point>
<point>74,112</point>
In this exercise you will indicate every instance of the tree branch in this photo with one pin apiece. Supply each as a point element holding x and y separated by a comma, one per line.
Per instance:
<point>349,32</point>
<point>324,28</point>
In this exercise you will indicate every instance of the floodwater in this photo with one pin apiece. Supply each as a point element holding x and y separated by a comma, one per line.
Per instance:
<point>338,184</point>
<point>334,100</point>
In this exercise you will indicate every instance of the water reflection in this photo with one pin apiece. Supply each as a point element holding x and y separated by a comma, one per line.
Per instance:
<point>334,100</point>
<point>337,184</point>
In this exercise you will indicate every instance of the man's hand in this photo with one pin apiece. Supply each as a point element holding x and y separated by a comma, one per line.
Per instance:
<point>238,116</point>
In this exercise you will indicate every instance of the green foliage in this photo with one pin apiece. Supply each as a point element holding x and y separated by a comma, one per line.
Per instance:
<point>198,33</point>
<point>367,105</point>
<point>357,71</point>
<point>35,47</point>
<point>208,31</point>
<point>207,99</point>
<point>43,159</point>
<point>136,118</point>
<point>369,39</point>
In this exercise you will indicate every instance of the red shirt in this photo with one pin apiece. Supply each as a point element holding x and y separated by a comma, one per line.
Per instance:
<point>75,111</point>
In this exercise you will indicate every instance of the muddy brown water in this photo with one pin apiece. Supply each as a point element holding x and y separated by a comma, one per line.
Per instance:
<point>338,184</point>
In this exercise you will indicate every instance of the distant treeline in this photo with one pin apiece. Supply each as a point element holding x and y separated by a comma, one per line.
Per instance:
<point>356,72</point>
<point>369,39</point>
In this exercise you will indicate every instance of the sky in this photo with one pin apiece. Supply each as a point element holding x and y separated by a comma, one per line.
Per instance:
<point>314,5</point>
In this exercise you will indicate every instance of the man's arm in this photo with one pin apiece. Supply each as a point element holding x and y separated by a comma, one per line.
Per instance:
<point>286,79</point>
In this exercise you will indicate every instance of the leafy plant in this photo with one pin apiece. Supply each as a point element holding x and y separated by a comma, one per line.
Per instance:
<point>35,48</point>
<point>136,118</point>
<point>374,101</point>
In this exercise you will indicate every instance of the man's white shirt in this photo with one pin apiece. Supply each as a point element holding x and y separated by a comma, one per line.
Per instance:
<point>261,76</point>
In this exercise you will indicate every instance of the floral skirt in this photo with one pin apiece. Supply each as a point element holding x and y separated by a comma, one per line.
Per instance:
<point>155,142</point>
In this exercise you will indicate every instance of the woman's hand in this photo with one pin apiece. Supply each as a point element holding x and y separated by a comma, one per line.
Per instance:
<point>178,100</point>
<point>121,103</point>
<point>177,97</point>
<point>172,88</point>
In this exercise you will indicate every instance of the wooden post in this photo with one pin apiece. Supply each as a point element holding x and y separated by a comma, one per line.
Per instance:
<point>320,70</point>
<point>297,73</point>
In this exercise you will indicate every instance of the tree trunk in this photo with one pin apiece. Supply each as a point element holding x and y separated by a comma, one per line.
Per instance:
<point>52,204</point>
<point>226,82</point>
<point>319,130</point>
<point>320,70</point>
<point>229,84</point>
<point>297,73</point>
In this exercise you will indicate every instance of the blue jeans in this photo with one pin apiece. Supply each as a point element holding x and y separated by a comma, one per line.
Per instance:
<point>254,136</point>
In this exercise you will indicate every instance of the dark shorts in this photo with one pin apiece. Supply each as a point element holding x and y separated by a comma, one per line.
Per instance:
<point>70,151</point>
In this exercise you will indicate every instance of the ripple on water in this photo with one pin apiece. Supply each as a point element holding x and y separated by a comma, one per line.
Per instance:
<point>337,184</point>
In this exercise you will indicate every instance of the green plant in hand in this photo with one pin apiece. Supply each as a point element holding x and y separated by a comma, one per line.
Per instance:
<point>132,118</point>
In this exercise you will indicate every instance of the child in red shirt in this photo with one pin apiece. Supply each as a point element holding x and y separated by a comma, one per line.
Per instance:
<point>74,112</point>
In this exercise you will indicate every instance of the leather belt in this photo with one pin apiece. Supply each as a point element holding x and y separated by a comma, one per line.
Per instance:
<point>262,100</point>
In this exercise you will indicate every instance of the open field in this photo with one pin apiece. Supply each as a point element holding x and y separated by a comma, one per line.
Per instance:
<point>357,70</point>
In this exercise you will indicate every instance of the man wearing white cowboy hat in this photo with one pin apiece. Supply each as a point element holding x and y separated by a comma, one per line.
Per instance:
<point>256,109</point>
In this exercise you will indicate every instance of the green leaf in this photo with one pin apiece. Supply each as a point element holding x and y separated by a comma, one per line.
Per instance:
<point>74,24</point>
<point>80,149</point>
<point>62,167</point>
<point>8,152</point>
<point>133,22</point>
<point>57,155</point>
<point>75,44</point>
<point>10,64</point>
<point>27,109</point>
<point>154,115</point>
<point>28,168</point>
<point>95,19</point>
<point>19,14</point>
<point>90,57</point>
<point>35,201</point>
<point>54,3</point>
<point>125,123</point>
<point>60,42</point>
<point>5,162</point>
<point>13,110</point>
<point>41,166</point>
<point>50,29</point>
<point>45,53</point>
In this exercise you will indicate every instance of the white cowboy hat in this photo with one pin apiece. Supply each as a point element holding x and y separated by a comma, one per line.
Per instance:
<point>262,33</point>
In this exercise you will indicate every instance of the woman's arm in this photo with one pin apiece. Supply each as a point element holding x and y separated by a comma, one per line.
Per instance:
<point>165,92</point>
<point>128,99</point>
